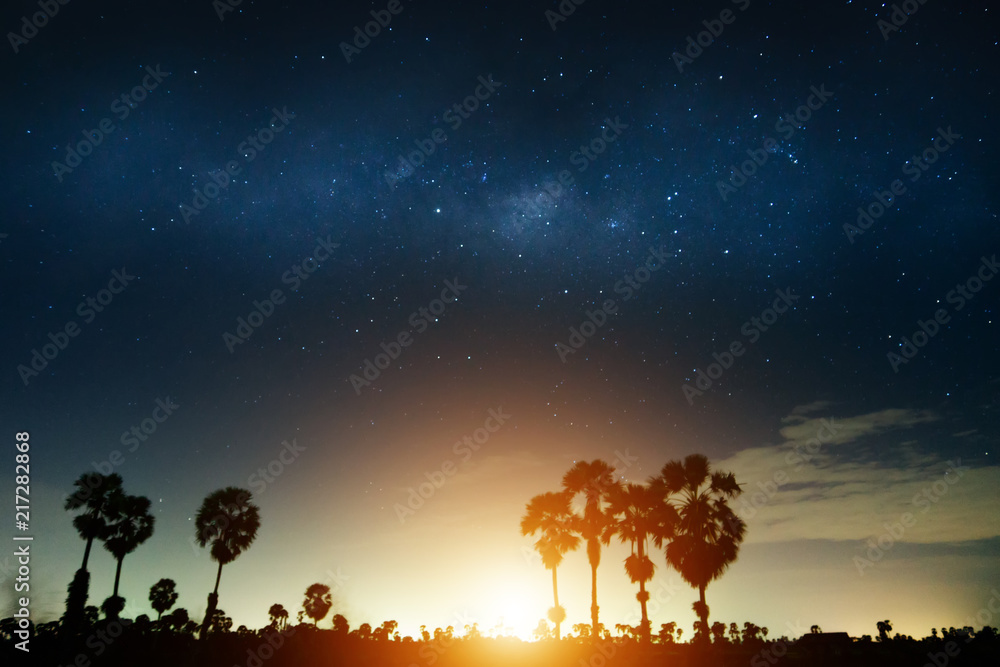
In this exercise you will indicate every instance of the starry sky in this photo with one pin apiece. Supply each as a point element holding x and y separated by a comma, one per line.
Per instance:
<point>598,233</point>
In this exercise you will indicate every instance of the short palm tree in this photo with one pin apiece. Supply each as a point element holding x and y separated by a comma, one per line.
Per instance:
<point>595,480</point>
<point>229,521</point>
<point>709,533</point>
<point>162,596</point>
<point>550,514</point>
<point>317,602</point>
<point>278,616</point>
<point>641,516</point>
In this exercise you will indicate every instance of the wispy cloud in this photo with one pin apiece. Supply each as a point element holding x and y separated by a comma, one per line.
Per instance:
<point>811,486</point>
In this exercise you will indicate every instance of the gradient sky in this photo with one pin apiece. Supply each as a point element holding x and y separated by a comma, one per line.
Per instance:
<point>913,439</point>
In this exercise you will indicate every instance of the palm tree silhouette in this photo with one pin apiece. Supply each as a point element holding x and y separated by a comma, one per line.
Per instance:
<point>550,514</point>
<point>641,515</point>
<point>709,533</point>
<point>318,602</point>
<point>162,596</point>
<point>340,624</point>
<point>92,494</point>
<point>884,628</point>
<point>595,480</point>
<point>278,616</point>
<point>129,525</point>
<point>229,521</point>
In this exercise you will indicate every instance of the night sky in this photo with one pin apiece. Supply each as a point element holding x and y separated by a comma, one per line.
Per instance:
<point>487,242</point>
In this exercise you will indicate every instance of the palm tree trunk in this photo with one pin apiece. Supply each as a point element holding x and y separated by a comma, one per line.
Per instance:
<point>217,578</point>
<point>118,575</point>
<point>593,600</point>
<point>643,596</point>
<point>86,553</point>
<point>555,597</point>
<point>645,619</point>
<point>704,609</point>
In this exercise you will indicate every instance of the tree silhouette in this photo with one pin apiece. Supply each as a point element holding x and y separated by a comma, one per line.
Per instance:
<point>317,602</point>
<point>92,494</point>
<point>229,521</point>
<point>595,480</point>
<point>709,533</point>
<point>549,513</point>
<point>178,619</point>
<point>278,616</point>
<point>162,596</point>
<point>220,621</point>
<point>340,624</point>
<point>384,632</point>
<point>641,515</point>
<point>129,525</point>
<point>884,628</point>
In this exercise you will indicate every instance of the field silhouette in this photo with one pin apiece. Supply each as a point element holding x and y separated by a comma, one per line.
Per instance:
<point>684,511</point>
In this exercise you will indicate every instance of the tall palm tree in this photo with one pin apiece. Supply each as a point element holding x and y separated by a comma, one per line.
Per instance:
<point>229,521</point>
<point>709,533</point>
<point>550,514</point>
<point>642,516</point>
<point>595,480</point>
<point>92,494</point>
<point>130,524</point>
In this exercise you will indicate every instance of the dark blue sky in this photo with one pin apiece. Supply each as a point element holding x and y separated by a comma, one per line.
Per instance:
<point>476,212</point>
